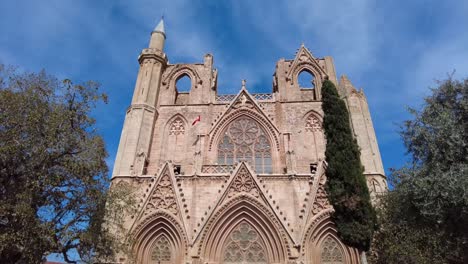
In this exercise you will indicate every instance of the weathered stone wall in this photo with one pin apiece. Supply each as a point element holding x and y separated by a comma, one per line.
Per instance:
<point>192,204</point>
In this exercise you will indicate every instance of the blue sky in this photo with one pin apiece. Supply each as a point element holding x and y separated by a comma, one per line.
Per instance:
<point>393,49</point>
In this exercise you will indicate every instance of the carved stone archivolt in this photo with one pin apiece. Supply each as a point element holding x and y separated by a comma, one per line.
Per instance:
<point>170,77</point>
<point>159,237</point>
<point>241,209</point>
<point>305,61</point>
<point>321,244</point>
<point>163,197</point>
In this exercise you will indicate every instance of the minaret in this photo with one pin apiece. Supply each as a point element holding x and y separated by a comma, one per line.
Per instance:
<point>158,36</point>
<point>137,131</point>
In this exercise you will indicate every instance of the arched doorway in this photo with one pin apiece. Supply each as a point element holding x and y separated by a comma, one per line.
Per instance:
<point>243,231</point>
<point>159,239</point>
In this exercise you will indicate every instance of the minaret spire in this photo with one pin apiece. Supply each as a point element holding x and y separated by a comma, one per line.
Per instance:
<point>158,36</point>
<point>160,26</point>
<point>135,142</point>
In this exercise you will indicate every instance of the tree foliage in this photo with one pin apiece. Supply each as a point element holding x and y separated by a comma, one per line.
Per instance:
<point>430,196</point>
<point>346,185</point>
<point>53,175</point>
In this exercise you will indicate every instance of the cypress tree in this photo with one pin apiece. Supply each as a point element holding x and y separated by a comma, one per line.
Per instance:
<point>346,186</point>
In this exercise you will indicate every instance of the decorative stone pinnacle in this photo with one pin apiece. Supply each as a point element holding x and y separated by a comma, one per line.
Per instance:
<point>243,83</point>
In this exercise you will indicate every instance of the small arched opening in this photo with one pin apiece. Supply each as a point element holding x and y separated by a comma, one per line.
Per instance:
<point>305,80</point>
<point>183,84</point>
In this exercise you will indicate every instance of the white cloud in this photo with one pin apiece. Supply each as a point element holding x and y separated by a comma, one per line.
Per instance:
<point>69,38</point>
<point>437,62</point>
<point>344,30</point>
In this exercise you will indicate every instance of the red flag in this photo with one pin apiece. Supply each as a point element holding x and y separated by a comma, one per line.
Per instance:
<point>196,120</point>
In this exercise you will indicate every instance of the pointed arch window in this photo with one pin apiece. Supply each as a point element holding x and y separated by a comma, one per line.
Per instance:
<point>313,123</point>
<point>162,252</point>
<point>245,140</point>
<point>177,127</point>
<point>244,246</point>
<point>305,79</point>
<point>183,83</point>
<point>331,252</point>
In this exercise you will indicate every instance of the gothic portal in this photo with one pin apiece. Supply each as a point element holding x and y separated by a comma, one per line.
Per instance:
<point>235,178</point>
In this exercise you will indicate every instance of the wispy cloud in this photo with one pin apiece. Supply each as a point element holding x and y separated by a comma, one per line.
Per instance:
<point>394,49</point>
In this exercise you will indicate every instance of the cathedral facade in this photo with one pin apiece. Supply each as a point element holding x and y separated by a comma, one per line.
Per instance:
<point>234,178</point>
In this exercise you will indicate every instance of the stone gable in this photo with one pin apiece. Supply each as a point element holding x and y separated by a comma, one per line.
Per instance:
<point>224,178</point>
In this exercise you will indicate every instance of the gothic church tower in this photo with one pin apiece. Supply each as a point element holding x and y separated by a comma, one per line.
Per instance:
<point>234,178</point>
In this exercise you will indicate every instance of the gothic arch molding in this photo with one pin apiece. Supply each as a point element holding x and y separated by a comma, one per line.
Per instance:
<point>174,118</point>
<point>147,233</point>
<point>313,122</point>
<point>243,209</point>
<point>314,113</point>
<point>178,72</point>
<point>321,227</point>
<point>310,68</point>
<point>267,126</point>
<point>174,136</point>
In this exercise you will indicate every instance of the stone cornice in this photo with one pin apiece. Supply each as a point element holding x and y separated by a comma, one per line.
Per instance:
<point>141,106</point>
<point>153,54</point>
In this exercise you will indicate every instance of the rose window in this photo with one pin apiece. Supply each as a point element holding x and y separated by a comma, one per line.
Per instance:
<point>245,140</point>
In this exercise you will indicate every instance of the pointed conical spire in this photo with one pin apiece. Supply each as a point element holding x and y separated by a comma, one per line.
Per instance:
<point>158,36</point>
<point>160,26</point>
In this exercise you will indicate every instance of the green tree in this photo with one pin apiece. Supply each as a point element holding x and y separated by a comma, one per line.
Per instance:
<point>53,175</point>
<point>346,185</point>
<point>430,196</point>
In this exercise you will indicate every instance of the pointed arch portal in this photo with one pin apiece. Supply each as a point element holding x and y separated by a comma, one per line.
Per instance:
<point>159,239</point>
<point>243,232</point>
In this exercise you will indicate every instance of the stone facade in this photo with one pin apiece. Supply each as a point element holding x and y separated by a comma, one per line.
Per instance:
<point>234,178</point>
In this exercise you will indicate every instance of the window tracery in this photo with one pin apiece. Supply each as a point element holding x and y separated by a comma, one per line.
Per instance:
<point>244,140</point>
<point>244,246</point>
<point>161,251</point>
<point>331,253</point>
<point>177,127</point>
<point>313,124</point>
